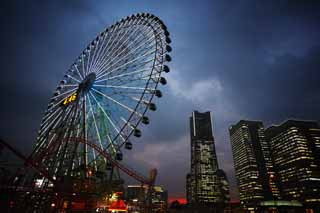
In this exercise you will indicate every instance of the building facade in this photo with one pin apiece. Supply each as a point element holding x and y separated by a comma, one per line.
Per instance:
<point>202,182</point>
<point>295,148</point>
<point>253,164</point>
<point>137,196</point>
<point>224,187</point>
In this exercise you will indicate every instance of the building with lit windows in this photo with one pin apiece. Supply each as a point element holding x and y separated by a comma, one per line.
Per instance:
<point>224,187</point>
<point>137,195</point>
<point>253,164</point>
<point>202,182</point>
<point>189,188</point>
<point>295,148</point>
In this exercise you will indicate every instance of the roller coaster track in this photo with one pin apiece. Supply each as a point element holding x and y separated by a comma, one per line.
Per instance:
<point>44,172</point>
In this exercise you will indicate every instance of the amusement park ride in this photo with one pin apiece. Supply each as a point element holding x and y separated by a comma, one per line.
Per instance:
<point>97,106</point>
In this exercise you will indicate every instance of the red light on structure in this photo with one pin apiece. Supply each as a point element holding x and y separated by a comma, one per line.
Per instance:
<point>118,206</point>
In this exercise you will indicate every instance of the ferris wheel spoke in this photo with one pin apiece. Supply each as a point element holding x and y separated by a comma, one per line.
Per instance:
<point>118,132</point>
<point>81,76</point>
<point>48,125</point>
<point>48,119</point>
<point>107,59</point>
<point>70,85</point>
<point>113,45</point>
<point>127,63</point>
<point>125,87</point>
<point>101,52</point>
<point>94,121</point>
<point>104,67</point>
<point>132,31</point>
<point>96,47</point>
<point>115,101</point>
<point>83,66</point>
<point>51,113</point>
<point>108,46</point>
<point>55,122</point>
<point>139,64</point>
<point>145,69</point>
<point>111,58</point>
<point>88,60</point>
<point>66,93</point>
<point>125,74</point>
<point>109,119</point>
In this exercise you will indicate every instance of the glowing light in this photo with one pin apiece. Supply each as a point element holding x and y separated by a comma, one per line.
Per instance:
<point>70,99</point>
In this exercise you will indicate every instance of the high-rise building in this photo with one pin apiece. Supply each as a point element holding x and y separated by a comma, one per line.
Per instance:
<point>189,188</point>
<point>202,182</point>
<point>224,187</point>
<point>295,148</point>
<point>253,164</point>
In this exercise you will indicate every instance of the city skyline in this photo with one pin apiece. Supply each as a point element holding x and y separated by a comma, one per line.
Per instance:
<point>246,60</point>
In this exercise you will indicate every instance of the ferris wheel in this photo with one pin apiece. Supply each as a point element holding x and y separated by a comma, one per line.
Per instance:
<point>104,96</point>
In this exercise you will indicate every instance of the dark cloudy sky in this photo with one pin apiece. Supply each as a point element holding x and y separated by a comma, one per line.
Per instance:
<point>239,59</point>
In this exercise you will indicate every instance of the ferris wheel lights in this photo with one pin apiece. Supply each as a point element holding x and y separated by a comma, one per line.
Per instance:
<point>145,120</point>
<point>166,69</point>
<point>158,93</point>
<point>163,81</point>
<point>137,133</point>
<point>167,58</point>
<point>168,48</point>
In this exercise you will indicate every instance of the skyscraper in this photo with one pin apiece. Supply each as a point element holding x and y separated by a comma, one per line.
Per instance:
<point>253,164</point>
<point>224,187</point>
<point>202,182</point>
<point>295,148</point>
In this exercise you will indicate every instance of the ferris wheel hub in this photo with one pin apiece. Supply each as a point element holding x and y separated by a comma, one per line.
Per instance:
<point>87,82</point>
